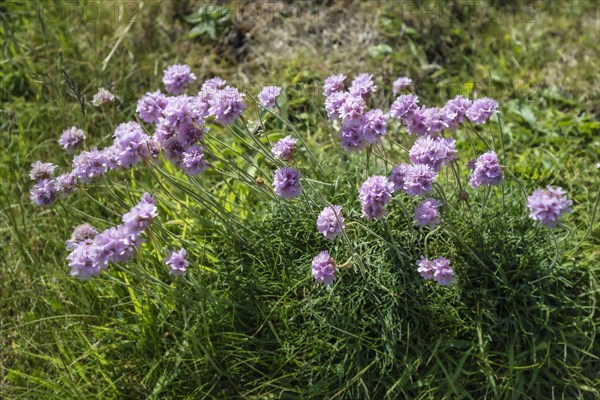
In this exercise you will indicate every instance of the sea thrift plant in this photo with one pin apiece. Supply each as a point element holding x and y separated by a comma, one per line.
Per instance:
<point>71,139</point>
<point>151,106</point>
<point>353,107</point>
<point>435,120</point>
<point>433,151</point>
<point>226,105</point>
<point>427,213</point>
<point>177,262</point>
<point>426,268</point>
<point>333,103</point>
<point>374,194</point>
<point>82,233</point>
<point>92,252</point>
<point>323,268</point>
<point>284,148</point>
<point>330,222</point>
<point>268,96</point>
<point>286,182</point>
<point>177,78</point>
<point>90,164</point>
<point>487,171</point>
<point>352,135</point>
<point>444,274</point>
<point>193,161</point>
<point>44,192</point>
<point>374,126</point>
<point>398,176</point>
<point>404,106</point>
<point>455,111</point>
<point>419,179</point>
<point>481,110</point>
<point>438,269</point>
<point>175,128</point>
<point>363,86</point>
<point>102,97</point>
<point>41,170</point>
<point>333,84</point>
<point>548,205</point>
<point>415,122</point>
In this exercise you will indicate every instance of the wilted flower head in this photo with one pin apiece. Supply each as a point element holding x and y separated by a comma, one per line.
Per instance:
<point>81,233</point>
<point>178,77</point>
<point>455,111</point>
<point>400,84</point>
<point>323,268</point>
<point>374,194</point>
<point>335,83</point>
<point>487,171</point>
<point>284,148</point>
<point>331,222</point>
<point>102,97</point>
<point>481,110</point>
<point>398,175</point>
<point>547,205</point>
<point>71,138</point>
<point>193,161</point>
<point>268,96</point>
<point>427,213</point>
<point>41,170</point>
<point>363,86</point>
<point>43,193</point>
<point>286,182</point>
<point>403,106</point>
<point>226,105</point>
<point>419,179</point>
<point>150,107</point>
<point>433,151</point>
<point>177,262</point>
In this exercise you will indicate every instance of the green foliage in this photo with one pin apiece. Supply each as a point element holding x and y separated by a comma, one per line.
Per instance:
<point>208,20</point>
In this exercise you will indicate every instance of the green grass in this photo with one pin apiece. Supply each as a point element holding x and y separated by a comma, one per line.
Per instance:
<point>248,321</point>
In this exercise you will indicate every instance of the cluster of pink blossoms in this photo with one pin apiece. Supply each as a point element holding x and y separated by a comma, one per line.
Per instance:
<point>179,126</point>
<point>92,252</point>
<point>179,123</point>
<point>359,127</point>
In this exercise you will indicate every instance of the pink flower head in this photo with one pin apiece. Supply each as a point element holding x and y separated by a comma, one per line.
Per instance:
<point>323,268</point>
